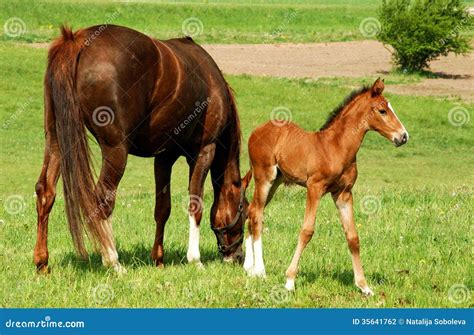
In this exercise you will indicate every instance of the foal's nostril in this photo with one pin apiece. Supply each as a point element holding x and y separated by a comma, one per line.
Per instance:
<point>404,138</point>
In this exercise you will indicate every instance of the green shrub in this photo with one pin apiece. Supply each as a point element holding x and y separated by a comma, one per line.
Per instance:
<point>422,30</point>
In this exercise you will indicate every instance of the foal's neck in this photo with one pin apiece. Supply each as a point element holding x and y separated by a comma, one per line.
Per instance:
<point>347,131</point>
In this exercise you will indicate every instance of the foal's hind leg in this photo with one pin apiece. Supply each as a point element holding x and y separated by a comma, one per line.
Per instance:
<point>198,170</point>
<point>264,178</point>
<point>46,193</point>
<point>114,160</point>
<point>343,201</point>
<point>315,192</point>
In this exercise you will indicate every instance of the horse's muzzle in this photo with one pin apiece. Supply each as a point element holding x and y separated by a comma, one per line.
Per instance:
<point>235,257</point>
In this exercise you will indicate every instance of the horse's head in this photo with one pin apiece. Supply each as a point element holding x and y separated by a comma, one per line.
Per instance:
<point>229,228</point>
<point>382,117</point>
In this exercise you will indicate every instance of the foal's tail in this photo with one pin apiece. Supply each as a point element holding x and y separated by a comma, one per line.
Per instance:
<point>78,181</point>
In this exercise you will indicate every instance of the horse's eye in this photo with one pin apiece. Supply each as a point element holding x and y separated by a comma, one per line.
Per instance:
<point>383,111</point>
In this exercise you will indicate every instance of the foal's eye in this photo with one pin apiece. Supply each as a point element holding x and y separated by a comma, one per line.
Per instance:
<point>383,111</point>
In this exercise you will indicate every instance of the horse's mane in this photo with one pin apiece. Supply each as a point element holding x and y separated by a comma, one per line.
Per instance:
<point>347,100</point>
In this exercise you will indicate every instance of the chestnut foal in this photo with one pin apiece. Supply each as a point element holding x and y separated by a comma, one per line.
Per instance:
<point>322,161</point>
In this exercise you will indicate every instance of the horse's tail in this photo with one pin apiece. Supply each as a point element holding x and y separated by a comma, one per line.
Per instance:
<point>76,171</point>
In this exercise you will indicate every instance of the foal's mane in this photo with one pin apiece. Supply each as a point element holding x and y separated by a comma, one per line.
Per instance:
<point>347,100</point>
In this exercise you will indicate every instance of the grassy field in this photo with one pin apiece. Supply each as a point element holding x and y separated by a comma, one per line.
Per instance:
<point>217,22</point>
<point>416,240</point>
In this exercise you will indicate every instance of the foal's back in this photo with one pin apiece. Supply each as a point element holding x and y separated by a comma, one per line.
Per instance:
<point>286,150</point>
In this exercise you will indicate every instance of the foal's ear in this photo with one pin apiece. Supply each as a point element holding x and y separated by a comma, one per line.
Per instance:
<point>377,87</point>
<point>246,179</point>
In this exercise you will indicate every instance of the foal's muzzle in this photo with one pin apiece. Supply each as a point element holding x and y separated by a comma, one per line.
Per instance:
<point>399,141</point>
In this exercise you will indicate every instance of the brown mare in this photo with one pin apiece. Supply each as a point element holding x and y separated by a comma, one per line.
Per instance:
<point>323,162</point>
<point>145,97</point>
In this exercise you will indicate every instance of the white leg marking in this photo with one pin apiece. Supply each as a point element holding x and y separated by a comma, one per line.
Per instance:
<point>290,284</point>
<point>110,255</point>
<point>367,291</point>
<point>259,267</point>
<point>248,263</point>
<point>193,255</point>
<point>345,212</point>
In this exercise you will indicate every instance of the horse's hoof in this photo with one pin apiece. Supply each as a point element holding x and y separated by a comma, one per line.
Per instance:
<point>200,266</point>
<point>119,269</point>
<point>43,269</point>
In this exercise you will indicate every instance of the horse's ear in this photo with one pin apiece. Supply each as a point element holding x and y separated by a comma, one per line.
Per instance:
<point>246,179</point>
<point>377,87</point>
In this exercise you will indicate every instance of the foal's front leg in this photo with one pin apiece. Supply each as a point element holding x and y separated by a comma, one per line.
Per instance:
<point>343,201</point>
<point>315,192</point>
<point>198,172</point>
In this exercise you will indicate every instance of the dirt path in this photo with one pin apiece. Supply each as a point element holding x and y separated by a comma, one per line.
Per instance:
<point>348,59</point>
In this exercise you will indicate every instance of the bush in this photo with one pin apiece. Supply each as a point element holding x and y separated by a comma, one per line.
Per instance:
<point>422,30</point>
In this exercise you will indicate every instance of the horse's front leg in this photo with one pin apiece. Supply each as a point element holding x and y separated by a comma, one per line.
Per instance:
<point>343,201</point>
<point>315,192</point>
<point>198,169</point>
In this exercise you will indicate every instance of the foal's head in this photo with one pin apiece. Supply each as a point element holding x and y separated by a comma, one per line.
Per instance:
<point>382,118</point>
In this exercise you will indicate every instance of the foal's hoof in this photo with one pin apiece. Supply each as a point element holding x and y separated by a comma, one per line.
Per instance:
<point>367,291</point>
<point>248,268</point>
<point>290,284</point>
<point>257,273</point>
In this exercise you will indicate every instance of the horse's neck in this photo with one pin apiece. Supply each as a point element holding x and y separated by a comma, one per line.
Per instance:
<point>346,133</point>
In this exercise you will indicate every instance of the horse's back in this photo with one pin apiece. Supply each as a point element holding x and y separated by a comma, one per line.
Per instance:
<point>115,71</point>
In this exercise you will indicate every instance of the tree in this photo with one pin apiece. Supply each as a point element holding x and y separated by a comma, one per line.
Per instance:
<point>422,30</point>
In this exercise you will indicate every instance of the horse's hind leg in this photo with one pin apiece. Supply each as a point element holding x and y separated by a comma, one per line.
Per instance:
<point>162,205</point>
<point>46,193</point>
<point>264,178</point>
<point>114,160</point>
<point>197,175</point>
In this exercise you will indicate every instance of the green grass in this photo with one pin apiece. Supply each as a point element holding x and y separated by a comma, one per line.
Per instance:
<point>414,248</point>
<point>221,22</point>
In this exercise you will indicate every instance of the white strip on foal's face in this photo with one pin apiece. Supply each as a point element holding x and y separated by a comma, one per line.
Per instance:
<point>193,254</point>
<point>402,130</point>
